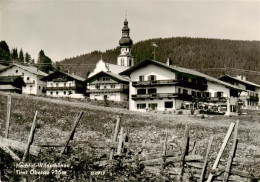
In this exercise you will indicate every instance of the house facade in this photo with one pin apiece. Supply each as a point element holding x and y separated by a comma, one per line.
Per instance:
<point>250,97</point>
<point>13,84</point>
<point>107,85</point>
<point>158,86</point>
<point>60,84</point>
<point>104,82</point>
<point>31,76</point>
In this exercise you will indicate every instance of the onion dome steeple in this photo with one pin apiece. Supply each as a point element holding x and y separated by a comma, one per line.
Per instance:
<point>125,41</point>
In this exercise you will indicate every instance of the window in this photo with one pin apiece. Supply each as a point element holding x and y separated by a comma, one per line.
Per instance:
<point>51,93</point>
<point>179,90</point>
<point>152,106</point>
<point>122,62</point>
<point>141,91</point>
<point>57,84</point>
<point>64,84</point>
<point>185,91</point>
<point>219,94</point>
<point>28,78</point>
<point>206,94</point>
<point>64,92</point>
<point>152,78</point>
<point>141,78</point>
<point>39,87</point>
<point>130,62</point>
<point>97,86</point>
<point>168,105</point>
<point>69,84</point>
<point>105,86</point>
<point>152,91</point>
<point>113,86</point>
<point>57,93</point>
<point>193,93</point>
<point>199,94</point>
<point>141,106</point>
<point>16,71</point>
<point>51,84</point>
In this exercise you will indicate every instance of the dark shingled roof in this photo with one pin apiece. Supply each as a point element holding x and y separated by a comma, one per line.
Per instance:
<point>11,80</point>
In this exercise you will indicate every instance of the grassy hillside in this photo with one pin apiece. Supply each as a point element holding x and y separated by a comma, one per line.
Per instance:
<point>56,117</point>
<point>195,53</point>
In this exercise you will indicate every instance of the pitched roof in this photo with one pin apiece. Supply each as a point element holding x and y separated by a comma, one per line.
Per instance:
<point>75,77</point>
<point>31,69</point>
<point>114,68</point>
<point>241,81</point>
<point>178,69</point>
<point>116,76</point>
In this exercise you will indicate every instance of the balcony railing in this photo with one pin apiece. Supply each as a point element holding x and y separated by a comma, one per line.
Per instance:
<point>60,80</point>
<point>180,83</point>
<point>107,90</point>
<point>213,99</point>
<point>153,83</point>
<point>60,88</point>
<point>185,97</point>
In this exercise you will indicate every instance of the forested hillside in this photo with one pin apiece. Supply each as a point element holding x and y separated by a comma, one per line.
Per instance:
<point>196,53</point>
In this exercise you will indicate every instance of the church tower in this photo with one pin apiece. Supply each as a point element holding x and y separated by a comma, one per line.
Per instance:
<point>125,58</point>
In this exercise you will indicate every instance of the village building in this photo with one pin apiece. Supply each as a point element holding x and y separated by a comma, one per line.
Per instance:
<point>161,87</point>
<point>107,85</point>
<point>250,98</point>
<point>13,84</point>
<point>61,84</point>
<point>104,82</point>
<point>31,76</point>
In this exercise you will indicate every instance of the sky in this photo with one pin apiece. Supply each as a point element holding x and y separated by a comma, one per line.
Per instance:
<point>67,28</point>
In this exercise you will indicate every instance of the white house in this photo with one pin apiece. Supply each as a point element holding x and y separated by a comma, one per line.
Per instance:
<point>104,81</point>
<point>158,86</point>
<point>250,98</point>
<point>107,85</point>
<point>31,76</point>
<point>60,84</point>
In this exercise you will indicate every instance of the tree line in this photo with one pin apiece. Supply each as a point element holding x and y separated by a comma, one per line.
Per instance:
<point>193,53</point>
<point>44,63</point>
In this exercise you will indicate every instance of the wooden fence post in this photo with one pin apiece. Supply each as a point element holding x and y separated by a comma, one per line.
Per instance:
<point>71,135</point>
<point>115,136</point>
<point>184,151</point>
<point>164,151</point>
<point>203,172</point>
<point>30,138</point>
<point>215,165</point>
<point>232,154</point>
<point>8,112</point>
<point>120,141</point>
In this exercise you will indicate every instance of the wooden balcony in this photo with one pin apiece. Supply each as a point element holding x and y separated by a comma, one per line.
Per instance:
<point>185,97</point>
<point>181,83</point>
<point>154,83</point>
<point>213,99</point>
<point>60,88</point>
<point>107,90</point>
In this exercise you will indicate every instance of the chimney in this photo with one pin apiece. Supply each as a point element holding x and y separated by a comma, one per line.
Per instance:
<point>168,62</point>
<point>241,77</point>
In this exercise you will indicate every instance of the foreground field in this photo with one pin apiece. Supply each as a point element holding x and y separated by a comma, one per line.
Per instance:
<point>55,119</point>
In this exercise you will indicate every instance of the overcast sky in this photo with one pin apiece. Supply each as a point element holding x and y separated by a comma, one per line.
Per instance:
<point>67,28</point>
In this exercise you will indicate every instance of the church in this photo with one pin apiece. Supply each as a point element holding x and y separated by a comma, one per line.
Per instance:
<point>104,82</point>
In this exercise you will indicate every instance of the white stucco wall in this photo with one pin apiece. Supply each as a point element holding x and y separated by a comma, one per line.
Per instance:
<point>33,86</point>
